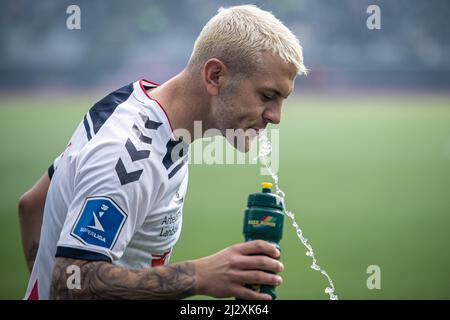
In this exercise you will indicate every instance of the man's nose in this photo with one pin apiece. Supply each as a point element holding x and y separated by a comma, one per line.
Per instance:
<point>273,115</point>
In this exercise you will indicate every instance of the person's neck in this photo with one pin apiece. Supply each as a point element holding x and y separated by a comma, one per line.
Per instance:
<point>184,103</point>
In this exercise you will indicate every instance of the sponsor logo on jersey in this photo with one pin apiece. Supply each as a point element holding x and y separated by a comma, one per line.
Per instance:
<point>178,198</point>
<point>99,223</point>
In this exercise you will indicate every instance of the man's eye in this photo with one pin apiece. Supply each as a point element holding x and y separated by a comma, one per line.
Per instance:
<point>266,97</point>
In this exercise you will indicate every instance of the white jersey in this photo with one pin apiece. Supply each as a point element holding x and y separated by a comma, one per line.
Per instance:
<point>117,191</point>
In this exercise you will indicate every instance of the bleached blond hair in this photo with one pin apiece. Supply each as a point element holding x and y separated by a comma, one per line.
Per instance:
<point>239,35</point>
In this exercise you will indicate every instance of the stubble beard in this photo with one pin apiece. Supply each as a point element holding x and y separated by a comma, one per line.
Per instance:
<point>226,124</point>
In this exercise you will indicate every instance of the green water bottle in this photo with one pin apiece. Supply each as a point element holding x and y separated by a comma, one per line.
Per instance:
<point>263,219</point>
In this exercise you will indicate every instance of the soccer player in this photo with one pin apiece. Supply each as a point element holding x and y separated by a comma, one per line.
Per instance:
<point>114,198</point>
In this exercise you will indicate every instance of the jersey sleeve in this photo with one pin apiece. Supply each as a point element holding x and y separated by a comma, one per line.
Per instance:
<point>52,168</point>
<point>113,192</point>
<point>55,163</point>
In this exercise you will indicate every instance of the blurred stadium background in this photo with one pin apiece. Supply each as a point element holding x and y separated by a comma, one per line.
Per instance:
<point>365,141</point>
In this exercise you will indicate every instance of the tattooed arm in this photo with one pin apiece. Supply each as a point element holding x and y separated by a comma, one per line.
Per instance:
<point>223,274</point>
<point>31,209</point>
<point>103,280</point>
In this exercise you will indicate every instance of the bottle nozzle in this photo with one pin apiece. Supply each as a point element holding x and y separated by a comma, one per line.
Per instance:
<point>266,187</point>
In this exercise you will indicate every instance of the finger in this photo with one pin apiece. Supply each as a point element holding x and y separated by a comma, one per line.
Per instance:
<point>259,277</point>
<point>259,263</point>
<point>248,294</point>
<point>258,247</point>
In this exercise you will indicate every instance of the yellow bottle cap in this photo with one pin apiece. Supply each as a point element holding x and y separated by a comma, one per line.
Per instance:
<point>266,185</point>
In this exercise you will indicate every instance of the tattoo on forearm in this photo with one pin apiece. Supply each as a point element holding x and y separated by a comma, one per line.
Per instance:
<point>102,280</point>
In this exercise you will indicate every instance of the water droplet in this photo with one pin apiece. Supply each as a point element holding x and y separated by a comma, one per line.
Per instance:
<point>315,267</point>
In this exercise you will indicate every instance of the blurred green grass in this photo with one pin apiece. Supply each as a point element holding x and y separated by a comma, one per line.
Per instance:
<point>368,178</point>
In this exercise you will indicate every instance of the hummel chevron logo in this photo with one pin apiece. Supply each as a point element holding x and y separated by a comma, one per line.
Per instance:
<point>124,176</point>
<point>150,124</point>
<point>141,136</point>
<point>134,153</point>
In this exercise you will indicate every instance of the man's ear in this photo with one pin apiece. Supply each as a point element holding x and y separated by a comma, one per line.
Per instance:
<point>214,75</point>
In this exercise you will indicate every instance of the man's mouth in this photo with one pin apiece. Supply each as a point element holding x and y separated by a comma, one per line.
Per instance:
<point>257,130</point>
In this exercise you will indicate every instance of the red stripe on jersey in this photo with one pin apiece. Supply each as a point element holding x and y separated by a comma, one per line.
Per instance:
<point>160,259</point>
<point>159,104</point>
<point>151,82</point>
<point>34,295</point>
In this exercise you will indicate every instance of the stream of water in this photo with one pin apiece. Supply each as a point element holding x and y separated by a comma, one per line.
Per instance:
<point>265,148</point>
